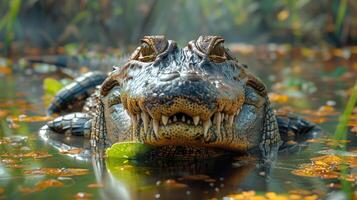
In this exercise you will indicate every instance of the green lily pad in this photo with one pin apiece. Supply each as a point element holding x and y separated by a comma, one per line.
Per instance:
<point>128,150</point>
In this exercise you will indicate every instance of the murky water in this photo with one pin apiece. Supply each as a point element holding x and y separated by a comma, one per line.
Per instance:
<point>309,85</point>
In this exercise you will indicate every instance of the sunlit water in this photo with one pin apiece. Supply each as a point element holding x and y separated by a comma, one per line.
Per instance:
<point>310,84</point>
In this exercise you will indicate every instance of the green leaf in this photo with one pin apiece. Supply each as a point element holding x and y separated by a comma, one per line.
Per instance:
<point>128,150</point>
<point>51,86</point>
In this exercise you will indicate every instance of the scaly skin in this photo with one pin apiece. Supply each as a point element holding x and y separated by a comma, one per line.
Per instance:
<point>198,100</point>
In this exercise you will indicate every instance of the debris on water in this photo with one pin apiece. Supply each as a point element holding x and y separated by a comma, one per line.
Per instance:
<point>57,171</point>
<point>174,184</point>
<point>95,185</point>
<point>338,153</point>
<point>4,113</point>
<point>4,70</point>
<point>328,167</point>
<point>329,142</point>
<point>25,118</point>
<point>250,195</point>
<point>278,98</point>
<point>42,185</point>
<point>83,196</point>
<point>35,155</point>
<point>198,177</point>
<point>72,151</point>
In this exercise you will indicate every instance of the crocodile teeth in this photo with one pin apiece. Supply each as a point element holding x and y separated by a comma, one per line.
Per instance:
<point>156,126</point>
<point>238,111</point>
<point>230,120</point>
<point>183,119</point>
<point>218,120</point>
<point>134,121</point>
<point>206,125</point>
<point>164,119</point>
<point>196,119</point>
<point>145,118</point>
<point>175,119</point>
<point>188,122</point>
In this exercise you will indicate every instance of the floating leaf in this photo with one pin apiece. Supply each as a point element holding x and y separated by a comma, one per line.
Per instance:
<point>4,113</point>
<point>35,155</point>
<point>72,151</point>
<point>83,195</point>
<point>42,185</point>
<point>57,171</point>
<point>327,167</point>
<point>51,86</point>
<point>25,118</point>
<point>278,98</point>
<point>95,185</point>
<point>252,195</point>
<point>128,150</point>
<point>174,184</point>
<point>5,70</point>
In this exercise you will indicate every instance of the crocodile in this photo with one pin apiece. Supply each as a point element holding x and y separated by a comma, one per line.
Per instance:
<point>191,102</point>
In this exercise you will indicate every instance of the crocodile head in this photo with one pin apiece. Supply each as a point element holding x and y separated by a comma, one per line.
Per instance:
<point>198,96</point>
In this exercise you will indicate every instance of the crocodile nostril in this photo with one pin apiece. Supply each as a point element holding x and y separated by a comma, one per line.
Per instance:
<point>169,76</point>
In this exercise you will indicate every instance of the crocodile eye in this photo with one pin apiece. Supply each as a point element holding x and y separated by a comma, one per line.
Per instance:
<point>151,47</point>
<point>218,53</point>
<point>211,47</point>
<point>147,53</point>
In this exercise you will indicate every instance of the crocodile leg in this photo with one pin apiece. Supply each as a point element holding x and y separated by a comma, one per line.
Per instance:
<point>72,97</point>
<point>294,130</point>
<point>270,134</point>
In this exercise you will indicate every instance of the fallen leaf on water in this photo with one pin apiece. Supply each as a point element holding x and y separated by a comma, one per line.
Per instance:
<point>327,167</point>
<point>42,185</point>
<point>252,195</point>
<point>174,184</point>
<point>95,185</point>
<point>354,129</point>
<point>5,70</point>
<point>4,113</point>
<point>57,171</point>
<point>72,151</point>
<point>329,142</point>
<point>8,161</point>
<point>25,118</point>
<point>83,195</point>
<point>34,155</point>
<point>278,98</point>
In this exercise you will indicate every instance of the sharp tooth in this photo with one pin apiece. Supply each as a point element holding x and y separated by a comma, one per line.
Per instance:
<point>175,118</point>
<point>164,119</point>
<point>196,119</point>
<point>226,117</point>
<point>156,126</point>
<point>206,125</point>
<point>183,118</point>
<point>170,121</point>
<point>134,121</point>
<point>217,117</point>
<point>238,111</point>
<point>138,117</point>
<point>188,121</point>
<point>145,118</point>
<point>230,120</point>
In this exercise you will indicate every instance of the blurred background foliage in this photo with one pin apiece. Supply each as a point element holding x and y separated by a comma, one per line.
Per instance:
<point>53,23</point>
